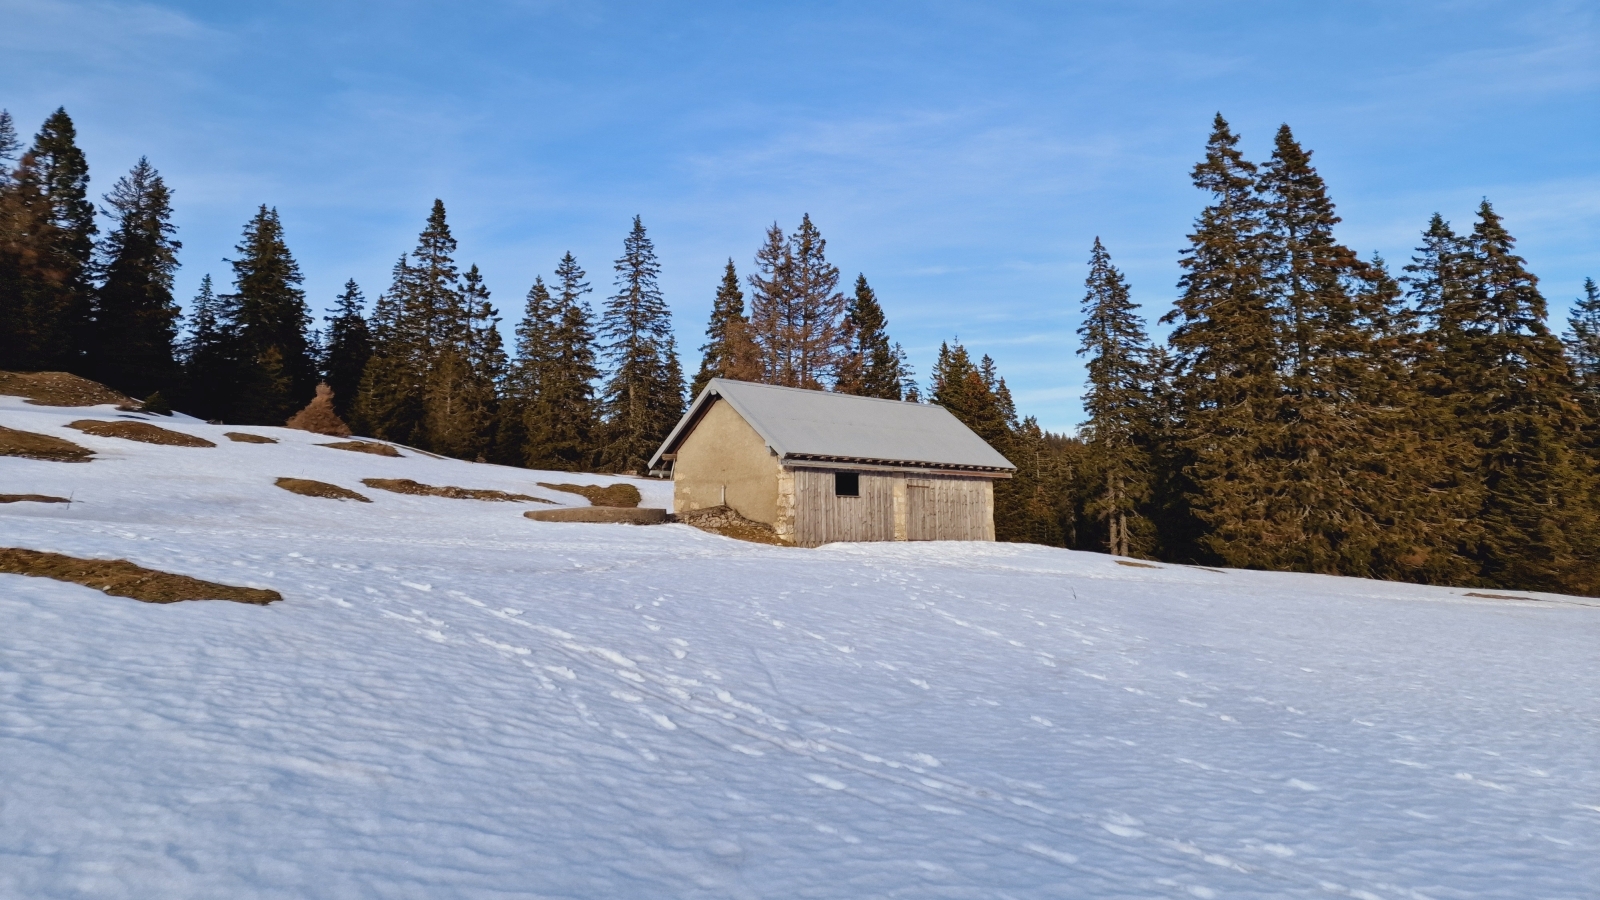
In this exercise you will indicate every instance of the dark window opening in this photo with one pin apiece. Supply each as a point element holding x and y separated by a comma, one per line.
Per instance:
<point>847,484</point>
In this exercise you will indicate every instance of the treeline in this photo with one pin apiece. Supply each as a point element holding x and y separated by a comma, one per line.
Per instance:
<point>581,389</point>
<point>1312,411</point>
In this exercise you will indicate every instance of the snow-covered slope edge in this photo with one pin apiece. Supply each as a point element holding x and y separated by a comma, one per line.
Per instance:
<point>453,701</point>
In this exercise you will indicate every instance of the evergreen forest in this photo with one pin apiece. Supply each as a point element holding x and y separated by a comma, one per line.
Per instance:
<point>1310,409</point>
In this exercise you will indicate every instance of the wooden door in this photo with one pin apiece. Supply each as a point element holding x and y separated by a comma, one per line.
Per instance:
<point>922,510</point>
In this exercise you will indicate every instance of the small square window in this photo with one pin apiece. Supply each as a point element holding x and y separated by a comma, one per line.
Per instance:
<point>846,484</point>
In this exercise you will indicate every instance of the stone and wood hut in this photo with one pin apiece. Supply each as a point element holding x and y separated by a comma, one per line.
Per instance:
<point>821,467</point>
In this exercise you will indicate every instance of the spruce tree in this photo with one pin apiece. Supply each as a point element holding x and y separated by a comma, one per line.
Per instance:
<point>728,351</point>
<point>1583,343</point>
<point>280,372</point>
<point>47,230</point>
<point>349,346</point>
<point>211,356</point>
<point>872,365</point>
<point>796,311</point>
<point>136,320</point>
<point>1118,404</point>
<point>528,371</point>
<point>9,145</point>
<point>561,426</point>
<point>463,374</point>
<point>643,396</point>
<point>411,322</point>
<point>1226,363</point>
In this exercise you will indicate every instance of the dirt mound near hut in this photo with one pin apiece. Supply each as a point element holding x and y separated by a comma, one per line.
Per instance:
<point>620,496</point>
<point>726,521</point>
<point>32,498</point>
<point>418,489</point>
<point>29,445</point>
<point>305,487</point>
<point>121,578</point>
<point>59,389</point>
<point>143,432</point>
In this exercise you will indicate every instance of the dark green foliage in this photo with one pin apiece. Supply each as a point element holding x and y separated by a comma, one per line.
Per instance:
<point>871,366</point>
<point>643,397</point>
<point>796,311</point>
<point>1225,361</point>
<point>1583,343</point>
<point>47,231</point>
<point>728,351</point>
<point>562,420</point>
<point>211,355</point>
<point>156,404</point>
<point>1118,403</point>
<point>348,348</point>
<point>278,373</point>
<point>136,319</point>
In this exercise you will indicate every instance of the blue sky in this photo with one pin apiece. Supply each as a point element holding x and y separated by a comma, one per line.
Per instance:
<point>962,155</point>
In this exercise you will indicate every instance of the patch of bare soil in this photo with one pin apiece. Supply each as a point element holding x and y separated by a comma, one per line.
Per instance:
<point>29,445</point>
<point>1136,565</point>
<point>32,498</point>
<point>373,447</point>
<point>305,487</point>
<point>1499,596</point>
<point>121,578</point>
<point>417,488</point>
<point>620,496</point>
<point>726,521</point>
<point>600,515</point>
<point>245,437</point>
<point>143,432</point>
<point>59,389</point>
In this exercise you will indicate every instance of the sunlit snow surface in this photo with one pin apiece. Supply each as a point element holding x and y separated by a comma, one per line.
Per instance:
<point>453,701</point>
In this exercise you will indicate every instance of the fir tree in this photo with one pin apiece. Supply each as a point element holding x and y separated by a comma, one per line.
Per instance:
<point>136,321</point>
<point>47,231</point>
<point>529,370</point>
<point>643,397</point>
<point>349,347</point>
<point>463,374</point>
<point>280,373</point>
<point>728,351</point>
<point>9,145</point>
<point>561,426</point>
<point>1583,342</point>
<point>1225,361</point>
<point>1118,404</point>
<point>211,357</point>
<point>872,365</point>
<point>796,311</point>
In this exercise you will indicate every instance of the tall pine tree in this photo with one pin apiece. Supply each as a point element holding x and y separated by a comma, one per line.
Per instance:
<point>1118,403</point>
<point>1225,361</point>
<point>872,366</point>
<point>136,318</point>
<point>270,314</point>
<point>796,311</point>
<point>562,424</point>
<point>1583,343</point>
<point>643,397</point>
<point>349,346</point>
<point>728,351</point>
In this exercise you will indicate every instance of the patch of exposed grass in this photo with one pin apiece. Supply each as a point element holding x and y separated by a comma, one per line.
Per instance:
<point>1136,565</point>
<point>726,521</point>
<point>621,496</point>
<point>417,488</point>
<point>121,578</point>
<point>29,445</point>
<point>32,498</point>
<point>1498,596</point>
<point>305,487</point>
<point>59,389</point>
<point>373,447</point>
<point>143,432</point>
<point>245,437</point>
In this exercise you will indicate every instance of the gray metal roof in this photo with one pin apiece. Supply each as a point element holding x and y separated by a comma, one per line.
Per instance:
<point>803,424</point>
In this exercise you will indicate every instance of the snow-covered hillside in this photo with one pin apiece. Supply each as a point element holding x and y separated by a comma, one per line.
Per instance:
<point>454,701</point>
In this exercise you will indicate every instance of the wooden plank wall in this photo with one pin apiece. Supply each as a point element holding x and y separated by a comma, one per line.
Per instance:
<point>949,508</point>
<point>938,508</point>
<point>820,517</point>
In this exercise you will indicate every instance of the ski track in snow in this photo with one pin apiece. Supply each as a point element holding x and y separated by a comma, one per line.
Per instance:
<point>453,701</point>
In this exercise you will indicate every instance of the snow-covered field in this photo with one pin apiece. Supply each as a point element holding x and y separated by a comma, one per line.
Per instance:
<point>454,701</point>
